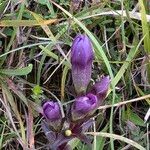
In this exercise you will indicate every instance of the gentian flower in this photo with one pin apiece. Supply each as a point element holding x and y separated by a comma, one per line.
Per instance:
<point>60,130</point>
<point>52,113</point>
<point>81,59</point>
<point>100,89</point>
<point>59,140</point>
<point>83,105</point>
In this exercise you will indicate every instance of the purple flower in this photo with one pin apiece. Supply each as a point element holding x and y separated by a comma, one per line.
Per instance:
<point>100,89</point>
<point>84,105</point>
<point>51,111</point>
<point>59,140</point>
<point>81,59</point>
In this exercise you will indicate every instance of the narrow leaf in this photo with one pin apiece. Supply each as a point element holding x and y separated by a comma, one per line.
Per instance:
<point>19,71</point>
<point>29,23</point>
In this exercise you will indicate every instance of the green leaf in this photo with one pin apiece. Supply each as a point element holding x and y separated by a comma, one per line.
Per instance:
<point>74,142</point>
<point>145,27</point>
<point>43,2</point>
<point>136,119</point>
<point>13,105</point>
<point>100,141</point>
<point>3,5</point>
<point>133,117</point>
<point>37,90</point>
<point>63,81</point>
<point>146,33</point>
<point>19,71</point>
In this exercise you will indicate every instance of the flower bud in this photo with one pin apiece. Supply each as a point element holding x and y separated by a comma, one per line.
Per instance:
<point>84,105</point>
<point>51,111</point>
<point>81,59</point>
<point>100,89</point>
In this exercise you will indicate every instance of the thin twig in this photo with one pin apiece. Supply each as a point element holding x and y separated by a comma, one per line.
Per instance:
<point>125,102</point>
<point>133,15</point>
<point>117,137</point>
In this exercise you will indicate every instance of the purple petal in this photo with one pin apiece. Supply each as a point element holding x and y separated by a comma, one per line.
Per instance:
<point>61,139</point>
<point>83,105</point>
<point>51,111</point>
<point>100,88</point>
<point>81,127</point>
<point>51,136</point>
<point>87,125</point>
<point>57,140</point>
<point>81,78</point>
<point>81,59</point>
<point>81,50</point>
<point>65,147</point>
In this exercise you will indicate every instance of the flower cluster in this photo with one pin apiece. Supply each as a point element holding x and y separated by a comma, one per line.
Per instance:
<point>60,130</point>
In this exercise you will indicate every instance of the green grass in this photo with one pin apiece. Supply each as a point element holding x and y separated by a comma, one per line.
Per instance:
<point>35,42</point>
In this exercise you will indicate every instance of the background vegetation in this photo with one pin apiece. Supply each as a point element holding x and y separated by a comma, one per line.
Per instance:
<point>35,40</point>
